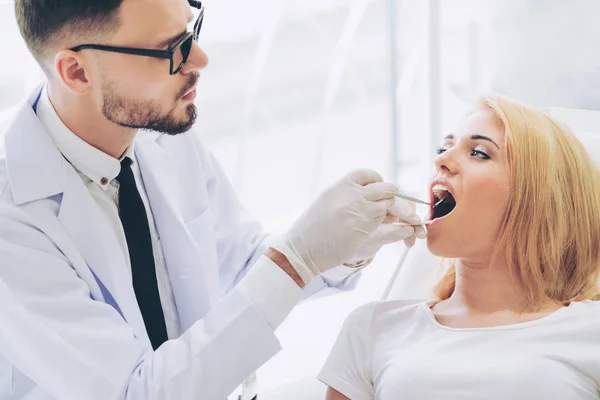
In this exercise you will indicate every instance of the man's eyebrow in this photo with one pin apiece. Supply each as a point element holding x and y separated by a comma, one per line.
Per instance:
<point>174,38</point>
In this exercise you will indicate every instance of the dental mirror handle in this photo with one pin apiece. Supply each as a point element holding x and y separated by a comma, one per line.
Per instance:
<point>410,224</point>
<point>413,199</point>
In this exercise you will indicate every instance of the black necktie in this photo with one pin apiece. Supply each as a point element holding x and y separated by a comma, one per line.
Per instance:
<point>137,232</point>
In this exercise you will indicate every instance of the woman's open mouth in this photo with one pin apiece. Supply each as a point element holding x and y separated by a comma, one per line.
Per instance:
<point>443,202</point>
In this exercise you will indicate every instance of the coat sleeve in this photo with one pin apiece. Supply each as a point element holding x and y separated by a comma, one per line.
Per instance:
<point>74,347</point>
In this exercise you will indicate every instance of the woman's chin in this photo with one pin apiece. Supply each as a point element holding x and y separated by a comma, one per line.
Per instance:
<point>440,247</point>
<point>433,245</point>
<point>442,240</point>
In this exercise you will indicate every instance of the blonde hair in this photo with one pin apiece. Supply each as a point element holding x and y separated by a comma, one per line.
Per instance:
<point>550,234</point>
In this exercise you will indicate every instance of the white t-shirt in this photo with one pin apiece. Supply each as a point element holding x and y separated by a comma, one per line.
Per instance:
<point>397,350</point>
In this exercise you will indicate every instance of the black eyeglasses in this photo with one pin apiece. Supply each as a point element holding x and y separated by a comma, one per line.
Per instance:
<point>178,53</point>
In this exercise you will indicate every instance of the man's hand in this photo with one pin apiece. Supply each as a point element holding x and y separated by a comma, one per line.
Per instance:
<point>337,224</point>
<point>402,211</point>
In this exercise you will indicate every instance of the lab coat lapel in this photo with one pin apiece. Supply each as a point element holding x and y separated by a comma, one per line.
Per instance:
<point>190,279</point>
<point>87,227</point>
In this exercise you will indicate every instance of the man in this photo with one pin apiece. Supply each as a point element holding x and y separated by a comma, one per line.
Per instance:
<point>128,269</point>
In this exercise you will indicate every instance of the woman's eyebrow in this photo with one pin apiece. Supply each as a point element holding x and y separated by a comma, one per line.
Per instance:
<point>481,137</point>
<point>475,137</point>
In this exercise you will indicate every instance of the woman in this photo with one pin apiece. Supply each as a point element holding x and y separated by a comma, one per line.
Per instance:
<point>514,316</point>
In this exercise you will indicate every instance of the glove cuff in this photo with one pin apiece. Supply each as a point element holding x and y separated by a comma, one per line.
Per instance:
<point>280,244</point>
<point>359,264</point>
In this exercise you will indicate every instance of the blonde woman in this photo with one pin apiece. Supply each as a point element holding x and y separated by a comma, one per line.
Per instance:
<point>514,316</point>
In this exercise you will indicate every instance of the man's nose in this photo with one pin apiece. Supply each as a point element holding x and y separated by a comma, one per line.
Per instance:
<point>196,60</point>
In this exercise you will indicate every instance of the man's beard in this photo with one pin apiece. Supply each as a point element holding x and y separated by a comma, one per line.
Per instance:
<point>139,114</point>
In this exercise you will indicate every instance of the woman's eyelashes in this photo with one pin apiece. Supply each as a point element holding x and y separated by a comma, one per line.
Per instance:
<point>475,152</point>
<point>480,154</point>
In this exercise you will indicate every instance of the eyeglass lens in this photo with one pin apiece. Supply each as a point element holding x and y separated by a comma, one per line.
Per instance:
<point>180,56</point>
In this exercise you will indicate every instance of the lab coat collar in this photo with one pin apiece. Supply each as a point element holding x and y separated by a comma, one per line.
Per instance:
<point>36,169</point>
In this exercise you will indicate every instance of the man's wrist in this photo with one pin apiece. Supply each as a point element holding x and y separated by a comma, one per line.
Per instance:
<point>281,260</point>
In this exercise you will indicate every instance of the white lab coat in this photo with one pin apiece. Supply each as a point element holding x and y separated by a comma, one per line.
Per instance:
<point>70,327</point>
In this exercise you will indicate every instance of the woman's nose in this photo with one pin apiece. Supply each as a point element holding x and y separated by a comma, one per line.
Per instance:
<point>196,60</point>
<point>446,162</point>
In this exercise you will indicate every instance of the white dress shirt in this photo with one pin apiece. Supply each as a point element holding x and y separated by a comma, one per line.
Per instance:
<point>98,171</point>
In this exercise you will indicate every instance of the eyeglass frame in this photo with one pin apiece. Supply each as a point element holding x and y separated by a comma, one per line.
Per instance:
<point>162,54</point>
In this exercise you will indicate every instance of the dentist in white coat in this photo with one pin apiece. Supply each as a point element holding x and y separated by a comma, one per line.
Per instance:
<point>128,269</point>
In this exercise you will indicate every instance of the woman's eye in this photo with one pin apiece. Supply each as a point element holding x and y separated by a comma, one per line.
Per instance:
<point>440,150</point>
<point>480,154</point>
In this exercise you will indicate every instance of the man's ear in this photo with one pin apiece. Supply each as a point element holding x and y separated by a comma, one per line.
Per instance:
<point>73,71</point>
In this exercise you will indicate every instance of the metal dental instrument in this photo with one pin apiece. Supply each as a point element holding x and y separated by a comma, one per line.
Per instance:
<point>415,200</point>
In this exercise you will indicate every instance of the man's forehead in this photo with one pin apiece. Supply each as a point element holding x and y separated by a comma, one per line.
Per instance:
<point>154,20</point>
<point>159,9</point>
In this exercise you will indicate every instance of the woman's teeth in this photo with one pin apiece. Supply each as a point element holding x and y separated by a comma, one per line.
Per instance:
<point>440,191</point>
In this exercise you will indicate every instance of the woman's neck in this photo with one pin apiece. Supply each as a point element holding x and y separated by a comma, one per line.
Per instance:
<point>484,287</point>
<point>484,296</point>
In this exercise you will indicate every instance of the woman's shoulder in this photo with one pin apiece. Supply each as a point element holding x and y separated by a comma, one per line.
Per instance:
<point>586,312</point>
<point>585,308</point>
<point>579,322</point>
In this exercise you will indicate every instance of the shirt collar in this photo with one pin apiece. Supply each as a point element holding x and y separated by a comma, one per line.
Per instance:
<point>88,160</point>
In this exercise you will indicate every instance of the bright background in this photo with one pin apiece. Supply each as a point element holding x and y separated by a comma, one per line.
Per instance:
<point>298,93</point>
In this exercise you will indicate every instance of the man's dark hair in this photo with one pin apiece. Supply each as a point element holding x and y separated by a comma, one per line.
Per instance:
<point>46,24</point>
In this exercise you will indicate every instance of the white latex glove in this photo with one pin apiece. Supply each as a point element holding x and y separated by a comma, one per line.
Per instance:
<point>404,211</point>
<point>401,211</point>
<point>337,224</point>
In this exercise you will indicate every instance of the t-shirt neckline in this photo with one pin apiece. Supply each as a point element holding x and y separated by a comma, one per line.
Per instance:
<point>428,313</point>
